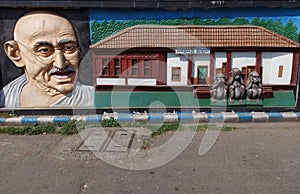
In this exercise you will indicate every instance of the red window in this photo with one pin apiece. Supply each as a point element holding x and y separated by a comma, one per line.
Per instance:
<point>137,65</point>
<point>147,67</point>
<point>280,71</point>
<point>176,74</point>
<point>117,67</point>
<point>105,67</point>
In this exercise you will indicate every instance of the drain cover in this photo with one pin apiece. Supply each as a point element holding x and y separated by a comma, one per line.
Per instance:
<point>100,140</point>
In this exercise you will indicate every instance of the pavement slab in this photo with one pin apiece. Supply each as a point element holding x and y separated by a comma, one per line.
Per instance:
<point>256,158</point>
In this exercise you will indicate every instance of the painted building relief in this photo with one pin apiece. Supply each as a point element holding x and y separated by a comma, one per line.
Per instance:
<point>251,57</point>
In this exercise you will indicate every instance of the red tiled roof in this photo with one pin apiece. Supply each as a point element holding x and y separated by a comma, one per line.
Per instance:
<point>195,36</point>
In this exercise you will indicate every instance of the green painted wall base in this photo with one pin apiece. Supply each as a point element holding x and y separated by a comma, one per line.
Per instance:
<point>258,102</point>
<point>281,99</point>
<point>107,100</point>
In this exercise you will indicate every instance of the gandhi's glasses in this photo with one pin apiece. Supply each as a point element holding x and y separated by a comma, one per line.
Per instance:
<point>45,52</point>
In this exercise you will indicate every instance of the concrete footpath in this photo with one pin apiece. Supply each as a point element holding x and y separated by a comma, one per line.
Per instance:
<point>259,157</point>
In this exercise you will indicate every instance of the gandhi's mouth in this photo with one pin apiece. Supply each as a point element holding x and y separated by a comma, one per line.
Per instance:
<point>62,73</point>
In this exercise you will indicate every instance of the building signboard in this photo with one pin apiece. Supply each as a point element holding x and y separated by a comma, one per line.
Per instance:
<point>192,51</point>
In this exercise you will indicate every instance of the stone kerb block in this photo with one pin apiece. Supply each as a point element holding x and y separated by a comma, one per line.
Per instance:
<point>230,117</point>
<point>200,117</point>
<point>109,115</point>
<point>289,116</point>
<point>45,119</point>
<point>79,118</point>
<point>14,120</point>
<point>170,117</point>
<point>140,117</point>
<point>260,117</point>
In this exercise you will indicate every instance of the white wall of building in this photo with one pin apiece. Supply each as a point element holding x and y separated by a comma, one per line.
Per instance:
<point>242,59</point>
<point>220,57</point>
<point>270,67</point>
<point>110,81</point>
<point>141,82</point>
<point>174,60</point>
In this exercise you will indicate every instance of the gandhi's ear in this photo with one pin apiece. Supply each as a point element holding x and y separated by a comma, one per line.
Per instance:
<point>12,50</point>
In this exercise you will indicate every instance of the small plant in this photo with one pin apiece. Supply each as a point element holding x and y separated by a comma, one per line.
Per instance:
<point>29,129</point>
<point>13,114</point>
<point>110,122</point>
<point>199,127</point>
<point>40,129</point>
<point>228,128</point>
<point>69,128</point>
<point>214,127</point>
<point>80,125</point>
<point>8,115</point>
<point>9,130</point>
<point>164,128</point>
<point>145,145</point>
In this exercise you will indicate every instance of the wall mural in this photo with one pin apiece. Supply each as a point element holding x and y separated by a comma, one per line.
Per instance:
<point>134,60</point>
<point>247,62</point>
<point>46,47</point>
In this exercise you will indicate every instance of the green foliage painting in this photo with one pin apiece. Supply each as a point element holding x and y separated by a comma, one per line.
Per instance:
<point>106,28</point>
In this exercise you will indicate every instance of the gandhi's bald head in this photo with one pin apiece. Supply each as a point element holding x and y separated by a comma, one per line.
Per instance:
<point>36,23</point>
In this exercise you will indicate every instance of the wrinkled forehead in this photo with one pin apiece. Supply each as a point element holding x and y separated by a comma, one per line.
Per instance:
<point>34,26</point>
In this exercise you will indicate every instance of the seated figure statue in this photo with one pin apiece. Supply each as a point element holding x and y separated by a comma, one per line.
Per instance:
<point>254,87</point>
<point>219,88</point>
<point>236,85</point>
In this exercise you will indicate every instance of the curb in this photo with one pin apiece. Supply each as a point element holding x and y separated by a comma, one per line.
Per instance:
<point>190,117</point>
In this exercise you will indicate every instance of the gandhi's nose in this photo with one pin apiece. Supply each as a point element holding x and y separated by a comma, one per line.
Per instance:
<point>60,60</point>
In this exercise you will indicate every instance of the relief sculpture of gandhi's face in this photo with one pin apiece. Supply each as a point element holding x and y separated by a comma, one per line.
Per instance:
<point>48,51</point>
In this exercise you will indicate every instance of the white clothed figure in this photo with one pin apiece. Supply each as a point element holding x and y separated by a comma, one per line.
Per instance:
<point>81,96</point>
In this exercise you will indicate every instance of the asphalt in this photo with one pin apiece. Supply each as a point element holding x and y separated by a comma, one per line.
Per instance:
<point>260,157</point>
